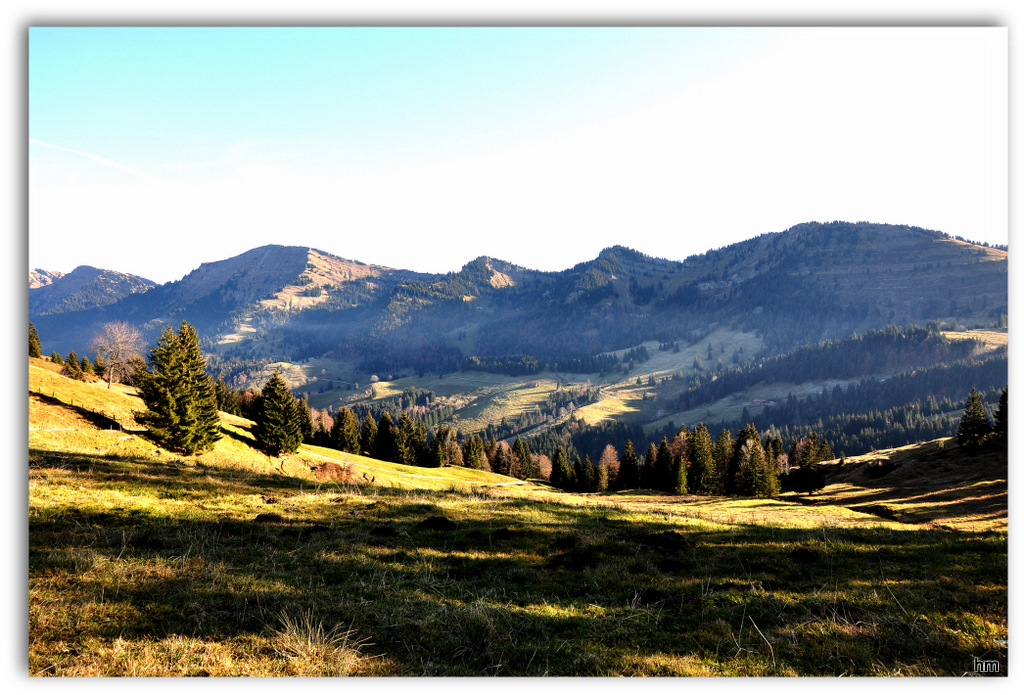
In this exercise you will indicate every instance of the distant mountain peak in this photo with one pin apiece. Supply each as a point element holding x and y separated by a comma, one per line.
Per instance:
<point>85,287</point>
<point>41,278</point>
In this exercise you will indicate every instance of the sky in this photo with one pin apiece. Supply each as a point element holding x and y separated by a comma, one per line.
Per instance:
<point>152,150</point>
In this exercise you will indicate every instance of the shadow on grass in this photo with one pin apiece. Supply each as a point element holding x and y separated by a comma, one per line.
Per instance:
<point>517,587</point>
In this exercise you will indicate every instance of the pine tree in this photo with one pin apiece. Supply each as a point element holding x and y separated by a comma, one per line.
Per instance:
<point>385,444</point>
<point>180,400</point>
<point>723,455</point>
<point>304,418</point>
<point>73,367</point>
<point>1002,423</point>
<point>561,470</point>
<point>629,469</point>
<point>160,389</point>
<point>744,441</point>
<point>56,358</point>
<point>367,434</point>
<point>703,476</point>
<point>649,471</point>
<point>35,348</point>
<point>277,428</point>
<point>522,452</point>
<point>86,365</point>
<point>757,477</point>
<point>345,432</point>
<point>974,424</point>
<point>663,468</point>
<point>199,415</point>
<point>473,453</point>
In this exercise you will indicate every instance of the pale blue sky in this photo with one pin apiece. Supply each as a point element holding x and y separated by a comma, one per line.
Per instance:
<point>423,148</point>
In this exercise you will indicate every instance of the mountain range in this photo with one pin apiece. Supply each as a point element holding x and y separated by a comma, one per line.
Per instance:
<point>811,282</point>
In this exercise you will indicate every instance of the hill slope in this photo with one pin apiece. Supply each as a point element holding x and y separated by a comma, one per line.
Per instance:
<point>142,563</point>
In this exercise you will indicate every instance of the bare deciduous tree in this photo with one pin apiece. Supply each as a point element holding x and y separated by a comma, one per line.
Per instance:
<point>117,343</point>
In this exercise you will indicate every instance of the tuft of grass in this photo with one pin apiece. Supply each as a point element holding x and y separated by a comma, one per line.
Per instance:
<point>314,650</point>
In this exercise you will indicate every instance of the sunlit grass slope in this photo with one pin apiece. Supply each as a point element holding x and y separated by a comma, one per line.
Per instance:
<point>145,563</point>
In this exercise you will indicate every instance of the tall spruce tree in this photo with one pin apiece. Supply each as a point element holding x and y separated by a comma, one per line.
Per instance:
<point>345,431</point>
<point>35,348</point>
<point>277,429</point>
<point>522,452</point>
<point>304,418</point>
<point>629,469</point>
<point>1002,423</point>
<point>200,412</point>
<point>473,453</point>
<point>367,435</point>
<point>649,470</point>
<point>663,468</point>
<point>723,455</point>
<point>703,476</point>
<point>179,395</point>
<point>561,470</point>
<point>386,445</point>
<point>974,424</point>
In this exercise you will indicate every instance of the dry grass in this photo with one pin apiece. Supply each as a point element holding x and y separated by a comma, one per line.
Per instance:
<point>229,564</point>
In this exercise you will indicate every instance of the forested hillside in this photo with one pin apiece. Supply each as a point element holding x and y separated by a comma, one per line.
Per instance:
<point>841,328</point>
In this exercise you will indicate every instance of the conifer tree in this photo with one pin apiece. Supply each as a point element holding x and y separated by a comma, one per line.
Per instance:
<point>663,467</point>
<point>367,435</point>
<point>179,396</point>
<point>1002,423</point>
<point>723,455</point>
<point>649,471</point>
<point>345,432</point>
<point>35,348</point>
<point>733,479</point>
<point>419,445</point>
<point>446,444</point>
<point>473,453</point>
<point>386,444</point>
<point>56,358</point>
<point>703,476</point>
<point>629,469</point>
<point>522,452</point>
<point>86,365</point>
<point>277,429</point>
<point>73,367</point>
<point>200,403</point>
<point>584,475</point>
<point>304,419</point>
<point>561,470</point>
<point>159,389</point>
<point>974,424</point>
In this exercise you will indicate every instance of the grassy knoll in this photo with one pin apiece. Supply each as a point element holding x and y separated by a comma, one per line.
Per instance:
<point>937,484</point>
<point>146,563</point>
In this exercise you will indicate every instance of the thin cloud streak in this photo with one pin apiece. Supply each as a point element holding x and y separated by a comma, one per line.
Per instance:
<point>96,158</point>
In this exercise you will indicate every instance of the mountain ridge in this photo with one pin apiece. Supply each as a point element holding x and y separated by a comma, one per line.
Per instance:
<point>809,282</point>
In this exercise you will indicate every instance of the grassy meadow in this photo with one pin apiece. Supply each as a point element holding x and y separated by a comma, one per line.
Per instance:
<point>146,563</point>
